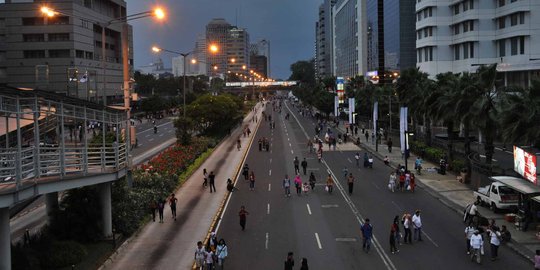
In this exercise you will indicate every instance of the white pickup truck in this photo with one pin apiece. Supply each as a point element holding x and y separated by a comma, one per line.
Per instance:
<point>497,196</point>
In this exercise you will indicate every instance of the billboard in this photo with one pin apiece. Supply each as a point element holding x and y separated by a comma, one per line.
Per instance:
<point>525,164</point>
<point>340,86</point>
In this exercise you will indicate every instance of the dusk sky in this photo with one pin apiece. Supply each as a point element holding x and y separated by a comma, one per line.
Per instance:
<point>289,25</point>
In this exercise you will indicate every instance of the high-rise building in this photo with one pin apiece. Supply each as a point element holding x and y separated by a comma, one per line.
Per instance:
<point>258,63</point>
<point>199,54</point>
<point>237,50</point>
<point>217,33</point>
<point>458,36</point>
<point>398,42</point>
<point>63,53</point>
<point>349,38</point>
<point>323,40</point>
<point>262,47</point>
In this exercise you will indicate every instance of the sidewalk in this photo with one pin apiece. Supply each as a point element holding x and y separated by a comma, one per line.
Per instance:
<point>171,245</point>
<point>452,193</point>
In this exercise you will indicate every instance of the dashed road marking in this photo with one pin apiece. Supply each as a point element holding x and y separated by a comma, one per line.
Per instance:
<point>292,152</point>
<point>308,209</point>
<point>268,209</point>
<point>269,187</point>
<point>350,161</point>
<point>397,206</point>
<point>318,240</point>
<point>350,239</point>
<point>329,205</point>
<point>270,172</point>
<point>435,244</point>
<point>151,139</point>
<point>266,242</point>
<point>147,136</point>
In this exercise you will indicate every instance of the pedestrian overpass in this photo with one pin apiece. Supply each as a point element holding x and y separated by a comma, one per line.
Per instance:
<point>50,143</point>
<point>258,87</point>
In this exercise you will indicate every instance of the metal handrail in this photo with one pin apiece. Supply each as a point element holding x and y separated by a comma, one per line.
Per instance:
<point>75,160</point>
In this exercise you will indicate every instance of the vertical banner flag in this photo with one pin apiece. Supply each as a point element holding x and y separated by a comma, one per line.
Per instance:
<point>403,127</point>
<point>336,106</point>
<point>375,118</point>
<point>351,108</point>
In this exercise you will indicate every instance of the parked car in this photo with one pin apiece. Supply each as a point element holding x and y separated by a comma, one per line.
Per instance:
<point>497,196</point>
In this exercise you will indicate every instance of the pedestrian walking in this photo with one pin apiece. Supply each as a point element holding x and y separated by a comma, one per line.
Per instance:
<point>304,265</point>
<point>252,181</point>
<point>495,242</point>
<point>389,144</point>
<point>537,260</point>
<point>312,180</point>
<point>345,172</point>
<point>212,179</point>
<point>172,203</point>
<point>367,234</point>
<point>260,145</point>
<point>357,159</point>
<point>417,225</point>
<point>310,145</point>
<point>221,253</point>
<point>398,231</point>
<point>412,182</point>
<point>407,225</point>
<point>477,245</point>
<point>209,259</point>
<point>289,261</point>
<point>393,233</point>
<point>200,255</point>
<point>296,163</point>
<point>238,144</point>
<point>392,181</point>
<point>329,184</point>
<point>298,184</point>
<point>287,186</point>
<point>319,155</point>
<point>304,166</point>
<point>245,171</point>
<point>161,206</point>
<point>402,181</point>
<point>350,182</point>
<point>205,176</point>
<point>469,232</point>
<point>153,207</point>
<point>243,217</point>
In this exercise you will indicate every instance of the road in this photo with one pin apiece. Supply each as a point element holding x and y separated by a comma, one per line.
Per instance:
<point>34,215</point>
<point>324,228</point>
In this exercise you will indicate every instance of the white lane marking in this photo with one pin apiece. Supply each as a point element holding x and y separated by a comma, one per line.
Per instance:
<point>308,209</point>
<point>270,172</point>
<point>329,206</point>
<point>376,186</point>
<point>269,187</point>
<point>397,206</point>
<point>435,244</point>
<point>140,145</point>
<point>290,145</point>
<point>268,209</point>
<point>350,161</point>
<point>266,242</point>
<point>382,253</point>
<point>151,139</point>
<point>147,136</point>
<point>161,135</point>
<point>292,152</point>
<point>318,240</point>
<point>170,131</point>
<point>288,139</point>
<point>270,160</point>
<point>483,156</point>
<point>346,239</point>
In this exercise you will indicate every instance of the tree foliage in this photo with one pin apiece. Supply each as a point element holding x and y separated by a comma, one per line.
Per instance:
<point>304,72</point>
<point>215,114</point>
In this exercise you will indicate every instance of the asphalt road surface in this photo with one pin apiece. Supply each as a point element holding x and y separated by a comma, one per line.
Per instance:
<point>325,228</point>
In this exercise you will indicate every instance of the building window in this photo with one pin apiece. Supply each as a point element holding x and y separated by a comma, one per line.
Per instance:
<point>456,9</point>
<point>471,25</point>
<point>513,19</point>
<point>522,18</point>
<point>85,24</point>
<point>430,30</point>
<point>502,47</point>
<point>430,11</point>
<point>465,6</point>
<point>419,53</point>
<point>418,16</point>
<point>502,22</point>
<point>89,55</point>
<point>59,37</point>
<point>79,54</point>
<point>88,3</point>
<point>33,21</point>
<point>425,32</point>
<point>522,45</point>
<point>465,51</point>
<point>426,54</point>
<point>34,54</point>
<point>33,37</point>
<point>471,54</point>
<point>465,27</point>
<point>58,20</point>
<point>502,3</point>
<point>513,46</point>
<point>430,53</point>
<point>471,4</point>
<point>59,53</point>
<point>456,52</point>
<point>419,35</point>
<point>456,29</point>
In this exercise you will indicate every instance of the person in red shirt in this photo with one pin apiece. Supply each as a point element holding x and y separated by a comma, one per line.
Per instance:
<point>401,181</point>
<point>412,182</point>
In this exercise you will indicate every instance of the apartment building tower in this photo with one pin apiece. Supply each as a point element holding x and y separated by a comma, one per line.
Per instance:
<point>458,36</point>
<point>63,53</point>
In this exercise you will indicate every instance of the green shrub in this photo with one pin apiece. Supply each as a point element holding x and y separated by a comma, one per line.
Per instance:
<point>457,165</point>
<point>62,254</point>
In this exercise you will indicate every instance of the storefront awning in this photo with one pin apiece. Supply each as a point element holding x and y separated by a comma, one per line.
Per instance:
<point>519,184</point>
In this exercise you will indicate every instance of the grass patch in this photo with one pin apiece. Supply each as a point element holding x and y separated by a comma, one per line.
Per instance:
<point>97,254</point>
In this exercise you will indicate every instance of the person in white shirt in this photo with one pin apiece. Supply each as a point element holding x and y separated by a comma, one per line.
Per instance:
<point>200,255</point>
<point>209,258</point>
<point>473,211</point>
<point>476,244</point>
<point>392,182</point>
<point>417,225</point>
<point>407,224</point>
<point>495,242</point>
<point>469,232</point>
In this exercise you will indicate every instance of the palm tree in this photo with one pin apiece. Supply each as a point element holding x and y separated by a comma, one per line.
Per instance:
<point>443,106</point>
<point>462,109</point>
<point>520,120</point>
<point>484,111</point>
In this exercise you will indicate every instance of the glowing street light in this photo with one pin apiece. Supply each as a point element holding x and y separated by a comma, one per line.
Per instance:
<point>156,49</point>
<point>214,48</point>
<point>159,13</point>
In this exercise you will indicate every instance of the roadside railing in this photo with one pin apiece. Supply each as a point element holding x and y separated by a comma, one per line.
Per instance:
<point>37,162</point>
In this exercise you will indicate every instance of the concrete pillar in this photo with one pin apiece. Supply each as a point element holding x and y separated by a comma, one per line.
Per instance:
<point>5,239</point>
<point>51,202</point>
<point>106,213</point>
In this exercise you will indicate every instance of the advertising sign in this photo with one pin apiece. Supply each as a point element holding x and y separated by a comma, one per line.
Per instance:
<point>340,86</point>
<point>525,164</point>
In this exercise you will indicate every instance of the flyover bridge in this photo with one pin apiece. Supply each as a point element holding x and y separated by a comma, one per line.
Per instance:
<point>258,87</point>
<point>50,143</point>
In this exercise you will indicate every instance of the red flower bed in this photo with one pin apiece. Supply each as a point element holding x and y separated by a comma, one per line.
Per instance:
<point>174,159</point>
